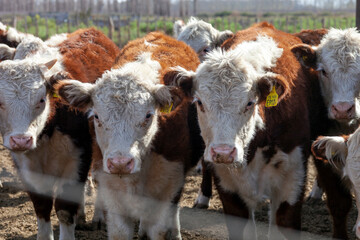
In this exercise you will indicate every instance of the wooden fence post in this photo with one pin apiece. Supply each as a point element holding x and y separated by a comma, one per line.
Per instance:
<point>119,33</point>
<point>138,27</point>
<point>25,25</point>
<point>14,21</point>
<point>47,28</point>
<point>147,24</point>
<point>36,27</point>
<point>111,27</point>
<point>358,14</point>
<point>129,29</point>
<point>68,25</point>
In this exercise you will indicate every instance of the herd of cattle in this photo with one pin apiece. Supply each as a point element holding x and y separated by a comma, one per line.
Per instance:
<point>252,106</point>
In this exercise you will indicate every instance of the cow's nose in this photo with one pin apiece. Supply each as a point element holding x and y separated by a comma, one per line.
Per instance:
<point>120,165</point>
<point>343,110</point>
<point>21,142</point>
<point>223,153</point>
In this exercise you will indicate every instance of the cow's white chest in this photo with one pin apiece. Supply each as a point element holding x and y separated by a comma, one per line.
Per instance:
<point>281,178</point>
<point>158,181</point>
<point>54,162</point>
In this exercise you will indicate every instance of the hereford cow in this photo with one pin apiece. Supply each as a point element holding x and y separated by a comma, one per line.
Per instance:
<point>146,153</point>
<point>200,35</point>
<point>256,152</point>
<point>50,143</point>
<point>337,59</point>
<point>311,37</point>
<point>343,154</point>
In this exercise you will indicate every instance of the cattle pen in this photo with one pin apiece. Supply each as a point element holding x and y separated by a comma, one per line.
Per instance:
<point>18,220</point>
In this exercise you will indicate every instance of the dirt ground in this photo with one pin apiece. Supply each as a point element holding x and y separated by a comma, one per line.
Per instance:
<point>18,221</point>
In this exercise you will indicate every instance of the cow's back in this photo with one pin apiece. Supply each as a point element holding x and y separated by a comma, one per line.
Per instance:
<point>87,53</point>
<point>168,51</point>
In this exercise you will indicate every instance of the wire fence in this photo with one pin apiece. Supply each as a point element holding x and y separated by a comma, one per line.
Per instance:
<point>122,28</point>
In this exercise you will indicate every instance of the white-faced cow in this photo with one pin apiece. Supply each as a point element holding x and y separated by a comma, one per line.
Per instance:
<point>146,153</point>
<point>200,35</point>
<point>257,152</point>
<point>337,60</point>
<point>50,143</point>
<point>203,38</point>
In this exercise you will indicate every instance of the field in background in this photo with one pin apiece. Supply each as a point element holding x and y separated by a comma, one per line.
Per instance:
<point>122,28</point>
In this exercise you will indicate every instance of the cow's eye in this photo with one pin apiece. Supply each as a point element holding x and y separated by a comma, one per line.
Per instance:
<point>206,50</point>
<point>199,102</point>
<point>96,117</point>
<point>323,72</point>
<point>148,115</point>
<point>249,104</point>
<point>42,100</point>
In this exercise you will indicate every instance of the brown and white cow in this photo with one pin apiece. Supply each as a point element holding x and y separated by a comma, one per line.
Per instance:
<point>200,35</point>
<point>257,152</point>
<point>343,154</point>
<point>49,142</point>
<point>203,38</point>
<point>146,153</point>
<point>337,60</point>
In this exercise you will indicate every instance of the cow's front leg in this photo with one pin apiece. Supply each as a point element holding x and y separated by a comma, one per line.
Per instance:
<point>43,205</point>
<point>67,205</point>
<point>288,218</point>
<point>236,213</point>
<point>119,227</point>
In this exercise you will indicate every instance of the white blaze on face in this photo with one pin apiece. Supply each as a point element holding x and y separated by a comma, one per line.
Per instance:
<point>125,104</point>
<point>226,87</point>
<point>338,59</point>
<point>24,104</point>
<point>202,36</point>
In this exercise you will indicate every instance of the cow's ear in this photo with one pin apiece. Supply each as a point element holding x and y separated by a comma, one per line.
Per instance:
<point>222,37</point>
<point>182,78</point>
<point>75,93</point>
<point>178,27</point>
<point>47,66</point>
<point>6,52</point>
<point>270,82</point>
<point>162,94</point>
<point>330,149</point>
<point>306,55</point>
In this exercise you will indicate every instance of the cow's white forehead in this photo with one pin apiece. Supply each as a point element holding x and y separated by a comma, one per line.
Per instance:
<point>244,64</point>
<point>340,48</point>
<point>198,34</point>
<point>128,88</point>
<point>20,77</point>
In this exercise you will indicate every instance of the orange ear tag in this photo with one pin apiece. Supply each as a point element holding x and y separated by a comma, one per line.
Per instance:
<point>167,108</point>
<point>272,98</point>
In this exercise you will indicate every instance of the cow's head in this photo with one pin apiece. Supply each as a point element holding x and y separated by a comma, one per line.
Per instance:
<point>24,102</point>
<point>125,103</point>
<point>337,59</point>
<point>228,87</point>
<point>202,36</point>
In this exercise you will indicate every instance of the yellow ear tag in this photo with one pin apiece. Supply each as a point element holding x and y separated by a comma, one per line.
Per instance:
<point>272,98</point>
<point>55,95</point>
<point>167,108</point>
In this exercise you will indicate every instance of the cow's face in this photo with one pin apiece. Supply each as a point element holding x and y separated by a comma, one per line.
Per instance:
<point>337,59</point>
<point>125,103</point>
<point>202,36</point>
<point>24,103</point>
<point>228,87</point>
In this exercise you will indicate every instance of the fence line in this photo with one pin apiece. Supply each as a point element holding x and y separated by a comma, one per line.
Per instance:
<point>121,29</point>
